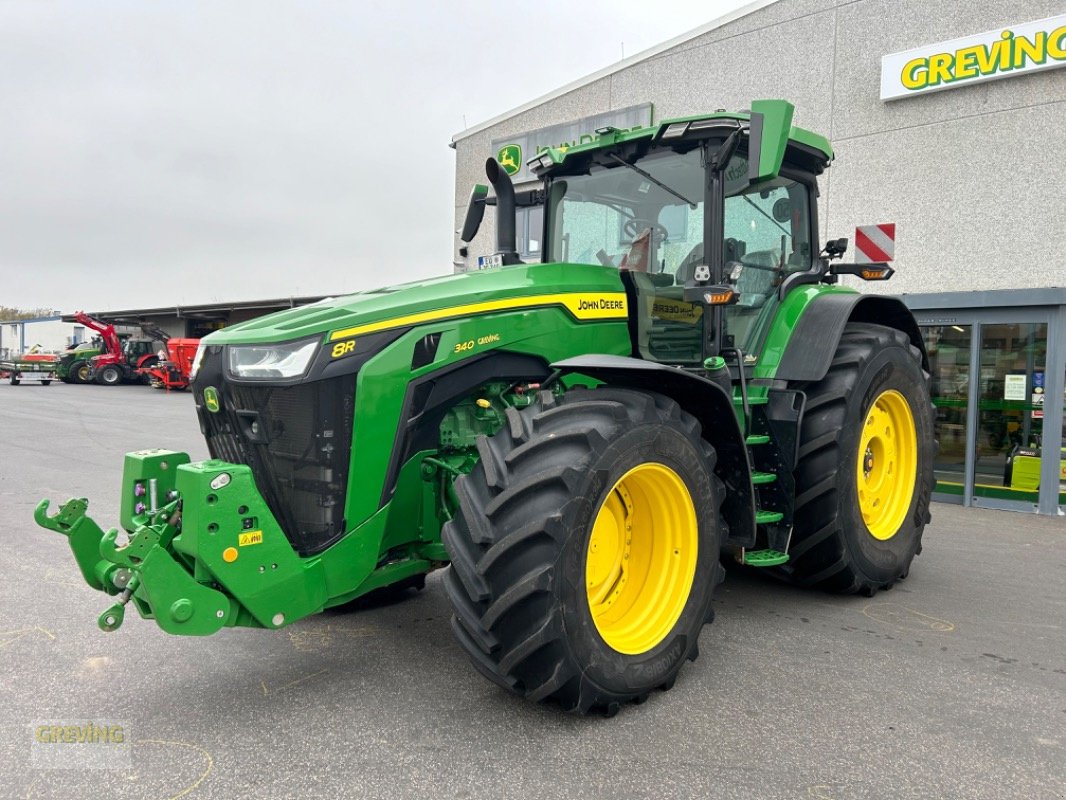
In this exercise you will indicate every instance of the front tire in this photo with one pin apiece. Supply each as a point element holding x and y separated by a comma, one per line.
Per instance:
<point>586,548</point>
<point>865,473</point>
<point>109,376</point>
<point>80,372</point>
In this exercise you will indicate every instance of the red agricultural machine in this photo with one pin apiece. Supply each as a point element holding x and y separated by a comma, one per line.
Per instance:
<point>122,361</point>
<point>74,366</point>
<point>174,371</point>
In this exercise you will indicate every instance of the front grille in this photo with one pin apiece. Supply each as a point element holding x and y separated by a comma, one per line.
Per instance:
<point>297,440</point>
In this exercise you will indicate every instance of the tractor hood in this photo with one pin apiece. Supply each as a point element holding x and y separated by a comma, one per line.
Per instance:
<point>441,298</point>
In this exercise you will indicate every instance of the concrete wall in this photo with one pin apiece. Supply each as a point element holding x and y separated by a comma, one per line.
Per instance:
<point>972,176</point>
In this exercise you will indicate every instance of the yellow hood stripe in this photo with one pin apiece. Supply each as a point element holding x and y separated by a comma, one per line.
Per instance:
<point>581,305</point>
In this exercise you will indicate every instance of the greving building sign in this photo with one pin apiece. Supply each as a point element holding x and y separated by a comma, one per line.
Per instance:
<point>1001,53</point>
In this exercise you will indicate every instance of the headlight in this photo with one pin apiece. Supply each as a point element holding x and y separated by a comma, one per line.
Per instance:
<point>199,357</point>
<point>287,360</point>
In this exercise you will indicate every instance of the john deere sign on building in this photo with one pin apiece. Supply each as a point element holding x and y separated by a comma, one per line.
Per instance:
<point>1001,53</point>
<point>513,151</point>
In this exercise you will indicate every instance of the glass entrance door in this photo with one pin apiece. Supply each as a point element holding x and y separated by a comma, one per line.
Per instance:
<point>996,376</point>
<point>1010,418</point>
<point>949,348</point>
<point>1062,450</point>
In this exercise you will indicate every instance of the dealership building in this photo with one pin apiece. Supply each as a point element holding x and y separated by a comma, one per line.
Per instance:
<point>948,120</point>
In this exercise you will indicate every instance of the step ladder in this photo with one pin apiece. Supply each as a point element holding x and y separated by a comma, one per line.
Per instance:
<point>763,516</point>
<point>762,558</point>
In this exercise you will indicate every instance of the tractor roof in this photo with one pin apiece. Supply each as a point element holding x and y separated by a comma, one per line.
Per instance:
<point>775,117</point>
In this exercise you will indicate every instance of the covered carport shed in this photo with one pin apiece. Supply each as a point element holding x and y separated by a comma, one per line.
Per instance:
<point>197,320</point>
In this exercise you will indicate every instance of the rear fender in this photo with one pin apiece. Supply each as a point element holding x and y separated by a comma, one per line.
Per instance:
<point>814,339</point>
<point>709,403</point>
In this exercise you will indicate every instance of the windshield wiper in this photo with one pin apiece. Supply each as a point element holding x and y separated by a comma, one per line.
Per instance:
<point>654,180</point>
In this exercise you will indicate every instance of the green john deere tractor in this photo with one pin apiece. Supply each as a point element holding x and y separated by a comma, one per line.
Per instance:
<point>580,441</point>
<point>73,365</point>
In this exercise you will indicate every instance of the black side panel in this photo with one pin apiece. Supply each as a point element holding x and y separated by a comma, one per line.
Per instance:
<point>711,404</point>
<point>428,399</point>
<point>814,341</point>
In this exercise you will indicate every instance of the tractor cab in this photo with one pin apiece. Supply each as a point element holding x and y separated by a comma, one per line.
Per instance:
<point>647,210</point>
<point>710,221</point>
<point>137,349</point>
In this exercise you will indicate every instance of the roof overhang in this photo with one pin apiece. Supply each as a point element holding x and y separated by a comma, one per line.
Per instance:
<point>201,311</point>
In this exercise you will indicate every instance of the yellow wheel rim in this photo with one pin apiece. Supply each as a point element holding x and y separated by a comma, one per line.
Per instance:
<point>641,558</point>
<point>887,464</point>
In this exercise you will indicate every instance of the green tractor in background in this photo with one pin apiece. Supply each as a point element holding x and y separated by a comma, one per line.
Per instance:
<point>73,365</point>
<point>580,441</point>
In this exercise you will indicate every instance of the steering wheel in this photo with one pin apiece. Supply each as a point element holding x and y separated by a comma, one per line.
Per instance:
<point>636,226</point>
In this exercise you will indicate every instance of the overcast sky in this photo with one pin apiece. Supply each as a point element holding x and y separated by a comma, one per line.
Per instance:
<point>181,152</point>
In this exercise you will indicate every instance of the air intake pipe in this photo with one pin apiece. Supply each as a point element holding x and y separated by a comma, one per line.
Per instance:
<point>505,212</point>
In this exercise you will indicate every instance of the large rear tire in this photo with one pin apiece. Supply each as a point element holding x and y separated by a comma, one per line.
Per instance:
<point>586,548</point>
<point>865,473</point>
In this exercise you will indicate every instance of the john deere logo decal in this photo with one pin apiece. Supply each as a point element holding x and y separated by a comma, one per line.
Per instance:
<point>510,158</point>
<point>211,399</point>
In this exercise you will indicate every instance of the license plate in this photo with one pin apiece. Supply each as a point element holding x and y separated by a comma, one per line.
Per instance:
<point>33,376</point>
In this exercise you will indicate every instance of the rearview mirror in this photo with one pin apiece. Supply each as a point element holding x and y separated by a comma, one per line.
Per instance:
<point>475,212</point>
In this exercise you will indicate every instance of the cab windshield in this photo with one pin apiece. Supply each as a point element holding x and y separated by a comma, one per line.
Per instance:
<point>648,218</point>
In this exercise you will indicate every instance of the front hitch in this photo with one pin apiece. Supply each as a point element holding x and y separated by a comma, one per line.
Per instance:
<point>143,570</point>
<point>204,550</point>
<point>84,537</point>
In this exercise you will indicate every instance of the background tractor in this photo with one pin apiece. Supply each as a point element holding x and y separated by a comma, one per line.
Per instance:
<point>75,360</point>
<point>74,366</point>
<point>580,441</point>
<point>123,359</point>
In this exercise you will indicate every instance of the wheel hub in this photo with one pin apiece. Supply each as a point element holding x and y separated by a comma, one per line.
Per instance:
<point>888,464</point>
<point>641,558</point>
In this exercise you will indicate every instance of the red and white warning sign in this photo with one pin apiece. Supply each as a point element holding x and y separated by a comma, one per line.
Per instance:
<point>875,243</point>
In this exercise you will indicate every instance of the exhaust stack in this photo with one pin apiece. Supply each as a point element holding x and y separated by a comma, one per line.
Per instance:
<point>506,245</point>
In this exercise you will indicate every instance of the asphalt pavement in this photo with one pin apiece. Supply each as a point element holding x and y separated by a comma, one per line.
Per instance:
<point>952,685</point>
